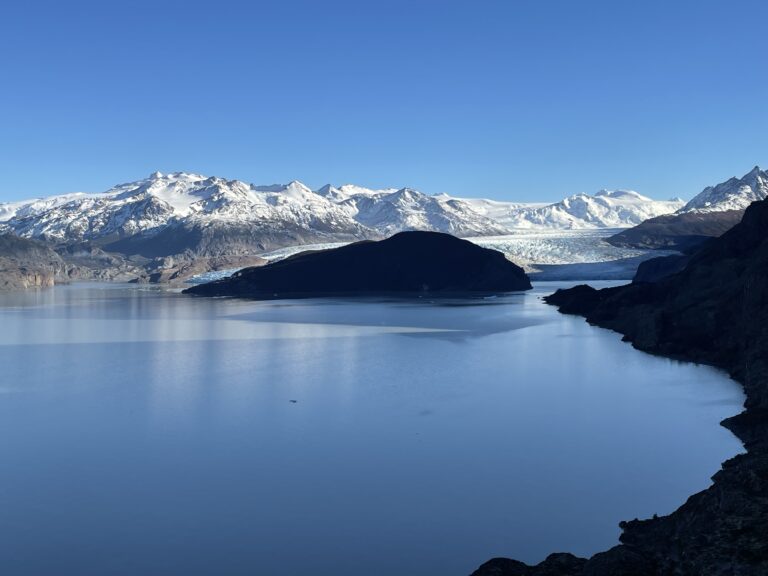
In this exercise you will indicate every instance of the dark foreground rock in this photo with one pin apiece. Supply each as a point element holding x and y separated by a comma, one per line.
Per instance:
<point>714,311</point>
<point>408,263</point>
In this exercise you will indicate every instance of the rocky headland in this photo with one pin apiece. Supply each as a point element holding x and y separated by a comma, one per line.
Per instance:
<point>406,264</point>
<point>713,311</point>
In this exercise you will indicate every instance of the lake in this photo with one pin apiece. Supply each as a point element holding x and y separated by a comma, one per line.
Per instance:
<point>144,432</point>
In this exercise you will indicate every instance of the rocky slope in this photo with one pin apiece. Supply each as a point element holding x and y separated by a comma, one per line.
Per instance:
<point>683,232</point>
<point>408,263</point>
<point>708,215</point>
<point>27,263</point>
<point>715,311</point>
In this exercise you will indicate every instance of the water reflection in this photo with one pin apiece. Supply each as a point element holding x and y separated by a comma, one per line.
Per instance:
<point>145,432</point>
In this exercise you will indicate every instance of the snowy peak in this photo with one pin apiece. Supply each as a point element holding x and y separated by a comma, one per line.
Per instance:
<point>623,195</point>
<point>733,194</point>
<point>390,211</point>
<point>606,209</point>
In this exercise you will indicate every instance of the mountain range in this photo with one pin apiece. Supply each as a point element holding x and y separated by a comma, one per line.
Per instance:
<point>170,226</point>
<point>126,217</point>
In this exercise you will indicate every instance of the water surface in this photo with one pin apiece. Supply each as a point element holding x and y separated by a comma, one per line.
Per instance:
<point>147,432</point>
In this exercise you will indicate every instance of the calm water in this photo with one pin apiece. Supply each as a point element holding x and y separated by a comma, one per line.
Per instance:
<point>148,433</point>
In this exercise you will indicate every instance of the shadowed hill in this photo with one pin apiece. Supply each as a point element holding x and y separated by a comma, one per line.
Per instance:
<point>408,263</point>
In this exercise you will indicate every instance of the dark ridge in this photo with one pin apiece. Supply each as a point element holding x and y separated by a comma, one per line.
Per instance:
<point>408,263</point>
<point>684,232</point>
<point>714,311</point>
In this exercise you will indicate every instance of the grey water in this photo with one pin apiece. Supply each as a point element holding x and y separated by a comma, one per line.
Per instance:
<point>144,432</point>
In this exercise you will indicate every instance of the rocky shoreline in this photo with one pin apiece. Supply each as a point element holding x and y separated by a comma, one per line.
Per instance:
<point>715,311</point>
<point>28,264</point>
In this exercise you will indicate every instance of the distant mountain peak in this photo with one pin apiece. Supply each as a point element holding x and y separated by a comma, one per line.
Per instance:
<point>733,194</point>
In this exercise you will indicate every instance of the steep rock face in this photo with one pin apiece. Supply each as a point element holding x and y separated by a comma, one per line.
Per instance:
<point>409,263</point>
<point>715,311</point>
<point>27,264</point>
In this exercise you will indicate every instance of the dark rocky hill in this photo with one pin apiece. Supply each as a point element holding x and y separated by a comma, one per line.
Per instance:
<point>684,232</point>
<point>408,263</point>
<point>714,311</point>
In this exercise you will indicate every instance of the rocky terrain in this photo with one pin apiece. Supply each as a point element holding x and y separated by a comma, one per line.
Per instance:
<point>408,263</point>
<point>26,263</point>
<point>714,311</point>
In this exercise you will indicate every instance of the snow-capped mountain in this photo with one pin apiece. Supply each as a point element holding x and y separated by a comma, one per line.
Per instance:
<point>733,194</point>
<point>149,206</point>
<point>606,209</point>
<point>505,213</point>
<point>408,209</point>
<point>168,214</point>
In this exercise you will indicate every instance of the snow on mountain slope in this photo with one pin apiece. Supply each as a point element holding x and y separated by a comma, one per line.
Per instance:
<point>233,211</point>
<point>408,209</point>
<point>606,209</point>
<point>505,213</point>
<point>733,194</point>
<point>150,205</point>
<point>23,208</point>
<point>349,190</point>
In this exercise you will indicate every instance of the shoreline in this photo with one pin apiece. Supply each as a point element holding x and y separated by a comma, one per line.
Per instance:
<point>720,530</point>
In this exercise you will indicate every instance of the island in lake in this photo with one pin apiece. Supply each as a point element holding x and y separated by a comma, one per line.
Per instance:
<point>408,263</point>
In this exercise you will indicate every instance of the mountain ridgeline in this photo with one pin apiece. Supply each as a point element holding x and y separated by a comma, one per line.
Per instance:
<point>139,218</point>
<point>168,227</point>
<point>406,264</point>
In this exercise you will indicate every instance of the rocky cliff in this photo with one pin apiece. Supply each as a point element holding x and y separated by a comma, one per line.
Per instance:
<point>27,264</point>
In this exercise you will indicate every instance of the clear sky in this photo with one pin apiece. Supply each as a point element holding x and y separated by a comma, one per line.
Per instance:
<point>521,100</point>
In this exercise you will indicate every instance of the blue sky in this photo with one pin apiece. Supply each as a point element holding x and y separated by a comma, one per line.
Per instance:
<point>520,100</point>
